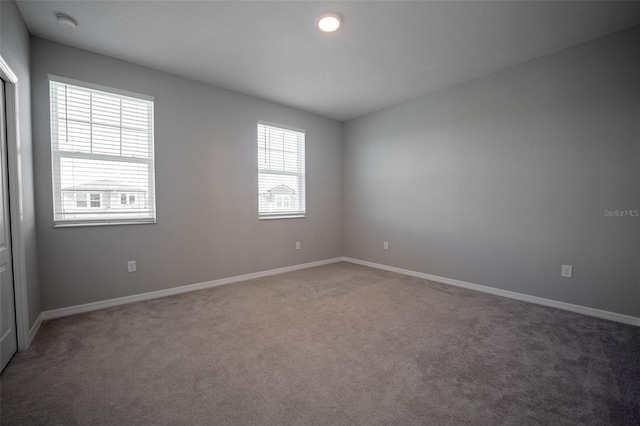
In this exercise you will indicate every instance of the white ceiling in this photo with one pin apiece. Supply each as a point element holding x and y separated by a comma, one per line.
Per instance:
<point>386,52</point>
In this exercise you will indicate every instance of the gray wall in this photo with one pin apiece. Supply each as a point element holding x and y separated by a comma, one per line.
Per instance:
<point>500,180</point>
<point>206,179</point>
<point>14,47</point>
<point>497,181</point>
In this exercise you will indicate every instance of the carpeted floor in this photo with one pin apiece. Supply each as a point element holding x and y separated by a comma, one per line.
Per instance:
<point>338,344</point>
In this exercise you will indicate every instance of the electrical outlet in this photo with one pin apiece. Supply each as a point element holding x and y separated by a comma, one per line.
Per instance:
<point>567,271</point>
<point>131,266</point>
<point>297,245</point>
<point>386,245</point>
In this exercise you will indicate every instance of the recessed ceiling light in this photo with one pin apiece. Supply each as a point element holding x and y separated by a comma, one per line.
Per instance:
<point>66,21</point>
<point>329,23</point>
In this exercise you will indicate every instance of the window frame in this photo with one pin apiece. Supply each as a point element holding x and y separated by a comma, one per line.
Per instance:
<point>301,150</point>
<point>57,155</point>
<point>95,197</point>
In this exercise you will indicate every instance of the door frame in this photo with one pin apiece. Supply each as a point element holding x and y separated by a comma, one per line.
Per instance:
<point>15,204</point>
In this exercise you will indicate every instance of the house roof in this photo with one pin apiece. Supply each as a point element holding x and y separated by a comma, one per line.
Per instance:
<point>104,185</point>
<point>280,189</point>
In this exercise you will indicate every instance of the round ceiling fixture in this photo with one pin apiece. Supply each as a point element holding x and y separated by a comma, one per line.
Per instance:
<point>66,21</point>
<point>329,23</point>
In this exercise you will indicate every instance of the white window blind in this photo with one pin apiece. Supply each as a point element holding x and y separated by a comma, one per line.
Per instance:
<point>102,151</point>
<point>281,177</point>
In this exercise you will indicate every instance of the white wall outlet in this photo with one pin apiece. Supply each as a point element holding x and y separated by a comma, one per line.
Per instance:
<point>567,271</point>
<point>297,245</point>
<point>131,266</point>
<point>386,245</point>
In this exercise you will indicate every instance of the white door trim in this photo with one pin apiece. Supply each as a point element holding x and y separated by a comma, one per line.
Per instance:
<point>15,205</point>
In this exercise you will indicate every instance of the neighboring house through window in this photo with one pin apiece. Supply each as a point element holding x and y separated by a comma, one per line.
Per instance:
<point>281,172</point>
<point>102,154</point>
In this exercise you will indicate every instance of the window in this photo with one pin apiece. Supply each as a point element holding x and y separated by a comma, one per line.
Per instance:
<point>94,200</point>
<point>131,199</point>
<point>81,199</point>
<point>102,151</point>
<point>281,174</point>
<point>283,201</point>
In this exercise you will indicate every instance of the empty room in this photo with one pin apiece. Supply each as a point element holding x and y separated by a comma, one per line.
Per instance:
<point>320,212</point>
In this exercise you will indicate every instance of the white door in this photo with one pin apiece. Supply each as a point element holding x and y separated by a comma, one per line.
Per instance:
<point>8,342</point>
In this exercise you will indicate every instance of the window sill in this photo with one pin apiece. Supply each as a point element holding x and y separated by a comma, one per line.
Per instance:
<point>80,225</point>
<point>282,216</point>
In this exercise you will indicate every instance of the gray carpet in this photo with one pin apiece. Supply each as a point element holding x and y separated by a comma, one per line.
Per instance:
<point>338,344</point>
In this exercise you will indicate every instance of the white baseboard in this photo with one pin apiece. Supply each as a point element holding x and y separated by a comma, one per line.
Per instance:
<point>34,329</point>
<point>71,310</point>
<point>598,313</point>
